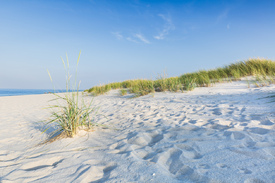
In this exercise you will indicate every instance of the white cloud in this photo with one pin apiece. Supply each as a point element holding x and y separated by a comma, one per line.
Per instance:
<point>142,38</point>
<point>132,40</point>
<point>168,26</point>
<point>223,15</point>
<point>137,38</point>
<point>117,35</point>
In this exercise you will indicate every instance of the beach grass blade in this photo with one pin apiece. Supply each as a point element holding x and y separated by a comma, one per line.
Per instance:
<point>70,114</point>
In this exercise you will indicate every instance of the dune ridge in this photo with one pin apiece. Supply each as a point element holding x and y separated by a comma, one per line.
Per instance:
<point>224,133</point>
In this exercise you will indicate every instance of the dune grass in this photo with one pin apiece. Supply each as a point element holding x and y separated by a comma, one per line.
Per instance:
<point>123,92</point>
<point>69,113</point>
<point>263,69</point>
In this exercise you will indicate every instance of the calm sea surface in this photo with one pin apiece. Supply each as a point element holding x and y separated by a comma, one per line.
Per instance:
<point>15,92</point>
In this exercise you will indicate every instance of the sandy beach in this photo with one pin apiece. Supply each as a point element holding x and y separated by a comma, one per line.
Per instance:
<point>224,133</point>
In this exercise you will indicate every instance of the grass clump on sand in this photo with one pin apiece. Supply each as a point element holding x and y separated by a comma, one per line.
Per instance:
<point>142,87</point>
<point>123,92</point>
<point>263,69</point>
<point>70,114</point>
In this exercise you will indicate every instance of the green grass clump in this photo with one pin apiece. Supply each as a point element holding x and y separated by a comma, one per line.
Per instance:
<point>123,92</point>
<point>70,115</point>
<point>100,90</point>
<point>188,83</point>
<point>263,68</point>
<point>142,87</point>
<point>173,84</point>
<point>161,83</point>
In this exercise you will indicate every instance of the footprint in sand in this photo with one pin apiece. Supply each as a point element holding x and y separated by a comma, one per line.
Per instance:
<point>234,135</point>
<point>257,130</point>
<point>106,172</point>
<point>170,159</point>
<point>189,152</point>
<point>193,121</point>
<point>253,180</point>
<point>90,173</point>
<point>203,166</point>
<point>138,138</point>
<point>156,136</point>
<point>243,109</point>
<point>119,147</point>
<point>267,122</point>
<point>143,154</point>
<point>221,165</point>
<point>223,109</point>
<point>244,171</point>
<point>149,138</point>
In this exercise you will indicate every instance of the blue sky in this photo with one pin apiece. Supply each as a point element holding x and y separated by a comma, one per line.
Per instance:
<point>132,39</point>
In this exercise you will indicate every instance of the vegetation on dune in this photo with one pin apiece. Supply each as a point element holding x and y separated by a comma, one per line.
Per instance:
<point>70,113</point>
<point>123,92</point>
<point>263,69</point>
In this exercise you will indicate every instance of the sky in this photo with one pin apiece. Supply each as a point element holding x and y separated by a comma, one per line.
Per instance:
<point>134,39</point>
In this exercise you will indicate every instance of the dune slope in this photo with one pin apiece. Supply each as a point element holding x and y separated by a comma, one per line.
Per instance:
<point>224,133</point>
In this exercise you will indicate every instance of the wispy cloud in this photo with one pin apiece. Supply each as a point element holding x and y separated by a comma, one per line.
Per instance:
<point>223,15</point>
<point>168,26</point>
<point>117,35</point>
<point>223,18</point>
<point>132,40</point>
<point>142,38</point>
<point>138,38</point>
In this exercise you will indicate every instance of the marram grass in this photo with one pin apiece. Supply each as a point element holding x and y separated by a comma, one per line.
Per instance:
<point>123,92</point>
<point>263,69</point>
<point>70,113</point>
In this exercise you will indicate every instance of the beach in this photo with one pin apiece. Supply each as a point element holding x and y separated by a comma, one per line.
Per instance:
<point>223,133</point>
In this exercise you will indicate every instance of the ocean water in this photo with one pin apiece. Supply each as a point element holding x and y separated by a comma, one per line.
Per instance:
<point>15,92</point>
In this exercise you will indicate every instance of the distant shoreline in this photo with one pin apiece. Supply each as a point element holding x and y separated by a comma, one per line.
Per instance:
<point>20,92</point>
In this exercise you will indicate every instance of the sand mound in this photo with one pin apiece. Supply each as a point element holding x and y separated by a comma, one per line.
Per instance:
<point>224,133</point>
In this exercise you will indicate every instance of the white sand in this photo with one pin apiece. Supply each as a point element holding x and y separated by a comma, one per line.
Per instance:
<point>224,133</point>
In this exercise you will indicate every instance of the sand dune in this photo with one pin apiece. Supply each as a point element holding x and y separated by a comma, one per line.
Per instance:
<point>224,133</point>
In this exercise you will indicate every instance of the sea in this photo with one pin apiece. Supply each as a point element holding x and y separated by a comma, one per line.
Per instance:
<point>16,92</point>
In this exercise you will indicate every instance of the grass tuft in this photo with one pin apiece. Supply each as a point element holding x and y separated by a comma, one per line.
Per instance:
<point>123,92</point>
<point>70,114</point>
